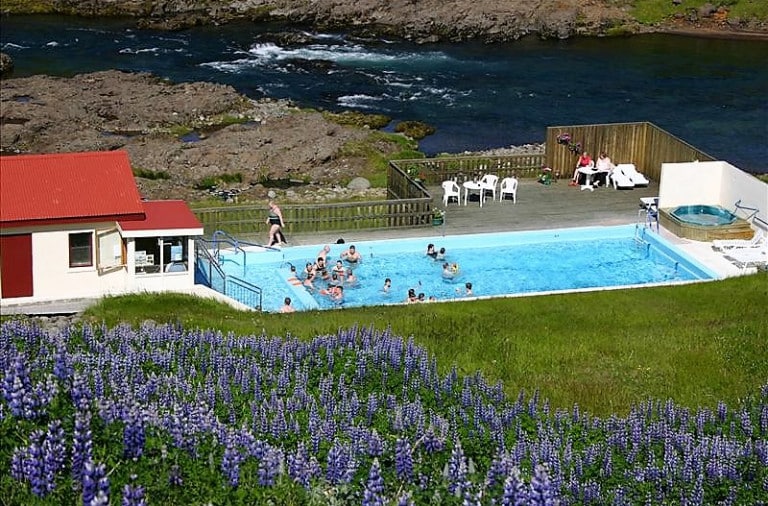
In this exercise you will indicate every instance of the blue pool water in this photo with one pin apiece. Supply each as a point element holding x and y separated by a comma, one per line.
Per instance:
<point>704,215</point>
<point>498,264</point>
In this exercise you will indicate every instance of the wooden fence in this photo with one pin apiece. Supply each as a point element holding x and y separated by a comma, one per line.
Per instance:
<point>250,221</point>
<point>644,144</point>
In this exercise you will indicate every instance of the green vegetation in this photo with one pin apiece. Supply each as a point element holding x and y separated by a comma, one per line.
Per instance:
<point>606,350</point>
<point>358,119</point>
<point>378,148</point>
<point>150,174</point>
<point>655,11</point>
<point>210,182</point>
<point>28,6</point>
<point>414,129</point>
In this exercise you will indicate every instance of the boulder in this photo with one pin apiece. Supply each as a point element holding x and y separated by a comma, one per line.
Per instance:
<point>6,64</point>
<point>359,183</point>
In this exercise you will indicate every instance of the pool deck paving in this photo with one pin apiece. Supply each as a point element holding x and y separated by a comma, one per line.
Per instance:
<point>538,207</point>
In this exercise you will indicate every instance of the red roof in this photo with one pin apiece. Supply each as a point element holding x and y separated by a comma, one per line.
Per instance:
<point>164,215</point>
<point>67,188</point>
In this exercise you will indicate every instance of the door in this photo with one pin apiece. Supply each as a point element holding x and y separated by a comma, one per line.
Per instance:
<point>16,265</point>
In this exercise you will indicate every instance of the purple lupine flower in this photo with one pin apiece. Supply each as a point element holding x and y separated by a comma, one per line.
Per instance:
<point>515,491</point>
<point>405,500</point>
<point>373,494</point>
<point>18,391</point>
<point>54,453</point>
<point>175,478</point>
<point>541,491</point>
<point>133,495</point>
<point>81,392</point>
<point>432,444</point>
<point>230,465</point>
<point>133,435</point>
<point>375,445</point>
<point>269,467</point>
<point>101,499</point>
<point>403,460</point>
<point>95,484</point>
<point>297,463</point>
<point>34,464</point>
<point>82,445</point>
<point>457,470</point>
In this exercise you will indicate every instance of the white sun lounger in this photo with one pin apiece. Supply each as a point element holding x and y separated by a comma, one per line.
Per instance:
<point>725,244</point>
<point>748,257</point>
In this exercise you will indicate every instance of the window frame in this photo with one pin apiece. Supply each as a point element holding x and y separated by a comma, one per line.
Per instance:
<point>71,249</point>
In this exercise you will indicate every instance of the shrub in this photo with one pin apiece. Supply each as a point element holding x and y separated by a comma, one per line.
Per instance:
<point>150,174</point>
<point>414,129</point>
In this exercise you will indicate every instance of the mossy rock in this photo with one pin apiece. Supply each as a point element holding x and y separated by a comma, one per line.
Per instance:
<point>358,119</point>
<point>414,129</point>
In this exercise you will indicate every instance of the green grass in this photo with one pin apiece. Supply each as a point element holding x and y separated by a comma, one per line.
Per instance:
<point>607,350</point>
<point>655,11</point>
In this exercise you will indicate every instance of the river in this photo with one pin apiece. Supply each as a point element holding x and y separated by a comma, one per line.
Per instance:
<point>712,93</point>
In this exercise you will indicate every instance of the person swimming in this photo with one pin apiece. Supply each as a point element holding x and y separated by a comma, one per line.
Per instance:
<point>351,255</point>
<point>440,254</point>
<point>431,251</point>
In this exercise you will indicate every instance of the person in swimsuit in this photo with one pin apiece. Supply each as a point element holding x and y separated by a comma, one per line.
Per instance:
<point>339,269</point>
<point>387,285</point>
<point>431,251</point>
<point>287,308</point>
<point>440,254</point>
<point>276,224</point>
<point>351,255</point>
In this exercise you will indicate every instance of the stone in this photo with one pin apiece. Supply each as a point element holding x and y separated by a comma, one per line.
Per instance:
<point>359,183</point>
<point>6,64</point>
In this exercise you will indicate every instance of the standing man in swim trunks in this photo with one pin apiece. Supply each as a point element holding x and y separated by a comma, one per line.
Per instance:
<point>351,255</point>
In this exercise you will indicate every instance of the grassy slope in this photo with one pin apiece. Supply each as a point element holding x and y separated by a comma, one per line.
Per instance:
<point>604,350</point>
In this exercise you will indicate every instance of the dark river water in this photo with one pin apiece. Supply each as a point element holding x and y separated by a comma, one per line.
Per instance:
<point>712,93</point>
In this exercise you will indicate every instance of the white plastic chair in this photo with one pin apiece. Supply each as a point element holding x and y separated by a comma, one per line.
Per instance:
<point>488,184</point>
<point>451,190</point>
<point>509,187</point>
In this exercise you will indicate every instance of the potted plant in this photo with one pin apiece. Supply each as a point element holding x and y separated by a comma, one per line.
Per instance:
<point>438,217</point>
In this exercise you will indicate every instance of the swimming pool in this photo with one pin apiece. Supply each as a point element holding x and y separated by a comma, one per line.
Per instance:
<point>499,264</point>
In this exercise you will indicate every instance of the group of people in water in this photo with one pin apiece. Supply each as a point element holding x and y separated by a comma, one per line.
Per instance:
<point>329,278</point>
<point>324,279</point>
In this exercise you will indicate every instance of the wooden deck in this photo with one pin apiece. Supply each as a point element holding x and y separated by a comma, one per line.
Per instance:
<point>538,207</point>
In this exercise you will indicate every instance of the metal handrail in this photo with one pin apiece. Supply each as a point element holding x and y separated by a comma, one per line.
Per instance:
<point>227,280</point>
<point>737,206</point>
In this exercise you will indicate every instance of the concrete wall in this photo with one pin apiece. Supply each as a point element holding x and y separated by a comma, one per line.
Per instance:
<point>713,183</point>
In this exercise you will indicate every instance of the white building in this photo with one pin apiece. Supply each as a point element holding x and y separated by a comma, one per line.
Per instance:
<point>72,225</point>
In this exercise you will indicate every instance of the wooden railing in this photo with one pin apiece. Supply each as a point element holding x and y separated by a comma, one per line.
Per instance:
<point>250,221</point>
<point>433,171</point>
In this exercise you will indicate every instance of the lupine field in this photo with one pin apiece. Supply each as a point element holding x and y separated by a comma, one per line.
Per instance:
<point>166,415</point>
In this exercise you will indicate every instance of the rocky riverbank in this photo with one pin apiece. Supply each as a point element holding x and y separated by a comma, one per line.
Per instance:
<point>423,21</point>
<point>195,141</point>
<point>189,140</point>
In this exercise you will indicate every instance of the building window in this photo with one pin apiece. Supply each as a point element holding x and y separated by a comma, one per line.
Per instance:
<point>81,249</point>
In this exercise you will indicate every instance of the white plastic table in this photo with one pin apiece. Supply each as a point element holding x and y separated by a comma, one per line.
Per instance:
<point>472,186</point>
